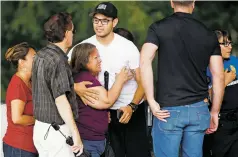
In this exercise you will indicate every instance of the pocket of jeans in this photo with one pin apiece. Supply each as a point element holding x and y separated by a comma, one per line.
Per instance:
<point>171,123</point>
<point>204,120</point>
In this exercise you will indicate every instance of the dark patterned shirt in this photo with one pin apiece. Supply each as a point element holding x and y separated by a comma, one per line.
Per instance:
<point>51,78</point>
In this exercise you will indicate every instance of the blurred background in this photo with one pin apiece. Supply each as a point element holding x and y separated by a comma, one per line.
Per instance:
<point>23,21</point>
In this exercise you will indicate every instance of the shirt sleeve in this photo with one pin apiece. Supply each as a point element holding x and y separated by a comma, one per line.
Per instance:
<point>60,83</point>
<point>152,36</point>
<point>18,91</point>
<point>134,57</point>
<point>70,54</point>
<point>71,51</point>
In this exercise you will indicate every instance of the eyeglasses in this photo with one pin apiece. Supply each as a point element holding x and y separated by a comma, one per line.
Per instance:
<point>103,21</point>
<point>226,44</point>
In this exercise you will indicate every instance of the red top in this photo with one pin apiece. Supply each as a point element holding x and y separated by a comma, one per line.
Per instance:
<point>19,136</point>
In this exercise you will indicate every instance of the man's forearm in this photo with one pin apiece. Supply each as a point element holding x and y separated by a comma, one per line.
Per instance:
<point>217,93</point>
<point>217,70</point>
<point>65,112</point>
<point>147,78</point>
<point>147,55</point>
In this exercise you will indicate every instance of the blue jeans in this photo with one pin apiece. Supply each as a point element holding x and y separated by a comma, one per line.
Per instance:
<point>95,148</point>
<point>10,151</point>
<point>186,126</point>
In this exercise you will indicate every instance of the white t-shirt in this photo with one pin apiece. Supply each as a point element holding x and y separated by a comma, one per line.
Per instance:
<point>120,52</point>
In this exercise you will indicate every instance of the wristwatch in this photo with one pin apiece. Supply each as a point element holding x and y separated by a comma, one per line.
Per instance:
<point>133,106</point>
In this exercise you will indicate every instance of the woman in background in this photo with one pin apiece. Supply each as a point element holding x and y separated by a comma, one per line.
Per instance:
<point>124,33</point>
<point>18,140</point>
<point>224,142</point>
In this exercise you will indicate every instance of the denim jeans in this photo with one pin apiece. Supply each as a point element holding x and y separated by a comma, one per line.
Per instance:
<point>95,148</point>
<point>186,127</point>
<point>10,151</point>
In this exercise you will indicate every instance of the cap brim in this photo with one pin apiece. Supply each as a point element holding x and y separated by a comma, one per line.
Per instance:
<point>92,13</point>
<point>96,12</point>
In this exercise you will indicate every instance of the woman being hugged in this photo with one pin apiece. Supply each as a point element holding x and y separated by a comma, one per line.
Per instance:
<point>18,140</point>
<point>93,119</point>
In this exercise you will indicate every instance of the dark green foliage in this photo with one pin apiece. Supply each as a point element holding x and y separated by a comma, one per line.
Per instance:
<point>23,21</point>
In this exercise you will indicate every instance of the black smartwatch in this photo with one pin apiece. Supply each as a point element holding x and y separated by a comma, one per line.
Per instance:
<point>133,106</point>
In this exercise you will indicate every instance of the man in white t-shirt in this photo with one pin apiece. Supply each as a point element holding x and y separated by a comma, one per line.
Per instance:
<point>127,130</point>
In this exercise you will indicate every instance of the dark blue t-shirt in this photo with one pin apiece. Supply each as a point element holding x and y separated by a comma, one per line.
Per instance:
<point>230,100</point>
<point>92,123</point>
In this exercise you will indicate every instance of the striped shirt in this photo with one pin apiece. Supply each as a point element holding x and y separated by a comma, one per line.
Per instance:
<point>51,78</point>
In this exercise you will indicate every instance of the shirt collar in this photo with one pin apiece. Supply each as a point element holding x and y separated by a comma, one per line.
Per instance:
<point>182,14</point>
<point>58,50</point>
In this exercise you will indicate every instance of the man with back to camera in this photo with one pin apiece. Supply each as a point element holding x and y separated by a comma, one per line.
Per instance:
<point>128,132</point>
<point>181,114</point>
<point>53,91</point>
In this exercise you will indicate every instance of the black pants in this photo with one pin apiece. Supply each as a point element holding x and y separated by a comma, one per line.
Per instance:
<point>129,140</point>
<point>207,145</point>
<point>224,142</point>
<point>225,139</point>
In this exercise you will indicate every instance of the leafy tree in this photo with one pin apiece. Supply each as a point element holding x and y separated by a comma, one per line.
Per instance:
<point>23,21</point>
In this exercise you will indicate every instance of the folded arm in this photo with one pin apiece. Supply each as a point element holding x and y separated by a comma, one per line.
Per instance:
<point>18,117</point>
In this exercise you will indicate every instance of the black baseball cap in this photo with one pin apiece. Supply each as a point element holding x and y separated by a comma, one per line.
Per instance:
<point>105,8</point>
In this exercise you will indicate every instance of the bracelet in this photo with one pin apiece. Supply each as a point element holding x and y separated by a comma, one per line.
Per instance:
<point>133,106</point>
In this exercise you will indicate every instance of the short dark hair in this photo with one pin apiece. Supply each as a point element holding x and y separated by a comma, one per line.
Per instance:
<point>182,2</point>
<point>124,33</point>
<point>80,57</point>
<point>223,33</point>
<point>56,26</point>
<point>17,52</point>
